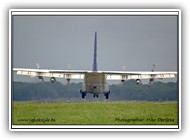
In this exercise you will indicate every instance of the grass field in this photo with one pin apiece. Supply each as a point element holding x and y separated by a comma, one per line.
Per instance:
<point>96,113</point>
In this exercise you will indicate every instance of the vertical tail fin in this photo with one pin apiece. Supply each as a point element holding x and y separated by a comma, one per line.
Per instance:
<point>94,68</point>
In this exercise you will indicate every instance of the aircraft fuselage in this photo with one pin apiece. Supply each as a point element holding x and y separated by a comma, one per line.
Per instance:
<point>95,83</point>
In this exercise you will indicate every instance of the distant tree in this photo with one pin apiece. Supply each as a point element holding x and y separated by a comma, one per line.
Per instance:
<point>127,91</point>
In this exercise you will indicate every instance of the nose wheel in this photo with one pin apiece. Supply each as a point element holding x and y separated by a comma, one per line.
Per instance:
<point>95,95</point>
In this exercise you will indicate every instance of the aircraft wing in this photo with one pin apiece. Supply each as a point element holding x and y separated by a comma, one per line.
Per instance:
<point>126,75</point>
<point>79,74</point>
<point>71,74</point>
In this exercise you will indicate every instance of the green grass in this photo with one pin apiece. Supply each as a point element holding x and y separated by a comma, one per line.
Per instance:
<point>96,113</point>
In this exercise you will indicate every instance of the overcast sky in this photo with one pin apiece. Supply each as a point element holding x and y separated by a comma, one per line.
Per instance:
<point>134,41</point>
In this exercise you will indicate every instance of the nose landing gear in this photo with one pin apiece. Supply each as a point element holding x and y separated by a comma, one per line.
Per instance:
<point>95,95</point>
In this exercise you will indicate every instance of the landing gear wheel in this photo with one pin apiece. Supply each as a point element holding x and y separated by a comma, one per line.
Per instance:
<point>95,95</point>
<point>83,93</point>
<point>107,94</point>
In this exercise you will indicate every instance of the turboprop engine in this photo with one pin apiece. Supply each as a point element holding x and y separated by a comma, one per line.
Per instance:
<point>151,80</point>
<point>138,82</point>
<point>52,80</point>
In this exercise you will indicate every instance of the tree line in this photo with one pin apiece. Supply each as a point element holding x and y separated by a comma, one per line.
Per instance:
<point>158,91</point>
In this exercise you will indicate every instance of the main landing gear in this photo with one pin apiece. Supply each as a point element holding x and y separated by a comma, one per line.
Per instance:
<point>107,94</point>
<point>83,94</point>
<point>95,95</point>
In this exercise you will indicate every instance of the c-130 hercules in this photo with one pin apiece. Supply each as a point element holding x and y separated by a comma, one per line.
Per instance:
<point>95,82</point>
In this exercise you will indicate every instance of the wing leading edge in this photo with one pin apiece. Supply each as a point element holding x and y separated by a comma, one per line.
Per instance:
<point>71,74</point>
<point>122,75</point>
<point>79,74</point>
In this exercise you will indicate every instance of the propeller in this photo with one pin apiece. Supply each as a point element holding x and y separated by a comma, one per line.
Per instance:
<point>38,65</point>
<point>123,77</point>
<point>69,66</point>
<point>68,76</point>
<point>151,80</point>
<point>124,67</point>
<point>40,77</point>
<point>153,67</point>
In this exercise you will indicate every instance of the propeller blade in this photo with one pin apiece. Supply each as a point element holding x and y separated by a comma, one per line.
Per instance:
<point>153,67</point>
<point>38,65</point>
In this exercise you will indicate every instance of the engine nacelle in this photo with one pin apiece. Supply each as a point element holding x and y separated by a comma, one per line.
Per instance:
<point>52,80</point>
<point>41,78</point>
<point>122,81</point>
<point>151,80</point>
<point>68,80</point>
<point>138,82</point>
<point>123,77</point>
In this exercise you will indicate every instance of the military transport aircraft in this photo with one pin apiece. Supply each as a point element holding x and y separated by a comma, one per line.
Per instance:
<point>95,82</point>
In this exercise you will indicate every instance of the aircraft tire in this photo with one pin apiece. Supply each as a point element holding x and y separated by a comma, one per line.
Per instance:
<point>83,95</point>
<point>107,95</point>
